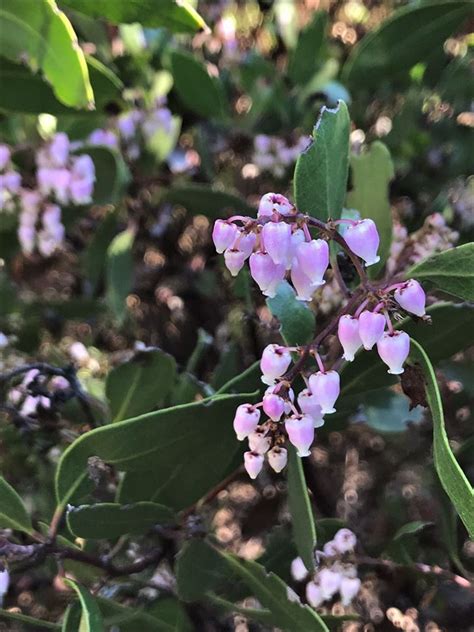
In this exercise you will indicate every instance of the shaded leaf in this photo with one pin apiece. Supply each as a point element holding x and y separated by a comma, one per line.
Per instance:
<point>95,255</point>
<point>36,31</point>
<point>112,175</point>
<point>199,569</point>
<point>143,383</point>
<point>387,411</point>
<point>13,514</point>
<point>321,171</point>
<point>120,272</point>
<point>297,322</point>
<point>305,57</point>
<point>201,198</point>
<point>91,619</point>
<point>451,271</point>
<point>35,624</point>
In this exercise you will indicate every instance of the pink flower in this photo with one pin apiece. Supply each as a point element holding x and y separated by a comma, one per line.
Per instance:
<point>345,540</point>
<point>348,334</point>
<point>300,429</point>
<point>234,261</point>
<point>277,458</point>
<point>224,235</point>
<point>253,463</point>
<point>274,363</point>
<point>259,442</point>
<point>348,589</point>
<point>277,240</point>
<point>4,156</point>
<point>266,273</point>
<point>273,406</point>
<point>303,285</point>
<point>246,420</point>
<point>272,202</point>
<point>411,297</point>
<point>393,350</point>
<point>329,582</point>
<point>313,258</point>
<point>298,569</point>
<point>371,328</point>
<point>363,239</point>
<point>326,387</point>
<point>309,405</point>
<point>314,595</point>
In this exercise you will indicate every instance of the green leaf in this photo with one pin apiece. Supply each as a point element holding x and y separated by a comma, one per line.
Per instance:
<point>36,624</point>
<point>453,479</point>
<point>190,447</point>
<point>199,92</point>
<point>372,172</point>
<point>387,411</point>
<point>199,569</point>
<point>176,15</point>
<point>321,171</point>
<point>408,37</point>
<point>143,383</point>
<point>91,620</point>
<point>297,322</point>
<point>162,142</point>
<point>111,172</point>
<point>165,615</point>
<point>302,519</point>
<point>72,618</point>
<point>95,254</point>
<point>275,596</point>
<point>36,31</point>
<point>111,520</point>
<point>203,199</point>
<point>451,271</point>
<point>13,514</point>
<point>279,552</point>
<point>304,59</point>
<point>120,272</point>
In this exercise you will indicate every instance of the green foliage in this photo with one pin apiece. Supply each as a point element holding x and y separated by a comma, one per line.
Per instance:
<point>206,200</point>
<point>91,619</point>
<point>28,622</point>
<point>112,175</point>
<point>111,520</point>
<point>199,569</point>
<point>120,272</point>
<point>138,386</point>
<point>453,479</point>
<point>199,92</point>
<point>297,322</point>
<point>387,411</point>
<point>94,256</point>
<point>320,178</point>
<point>179,17</point>
<point>34,30</point>
<point>408,37</point>
<point>305,58</point>
<point>372,172</point>
<point>451,271</point>
<point>13,514</point>
<point>302,519</point>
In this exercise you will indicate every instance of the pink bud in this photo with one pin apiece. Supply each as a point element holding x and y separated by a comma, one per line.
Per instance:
<point>330,549</point>
<point>234,261</point>
<point>277,240</point>
<point>298,570</point>
<point>246,243</point>
<point>253,463</point>
<point>59,149</point>
<point>313,257</point>
<point>393,350</point>
<point>326,387</point>
<point>309,405</point>
<point>348,334</point>
<point>258,441</point>
<point>411,297</point>
<point>274,406</point>
<point>297,237</point>
<point>300,429</point>
<point>363,239</point>
<point>274,363</point>
<point>302,283</point>
<point>329,582</point>
<point>314,595</point>
<point>223,235</point>
<point>266,273</point>
<point>349,588</point>
<point>272,202</point>
<point>371,328</point>
<point>345,540</point>
<point>277,458</point>
<point>246,420</point>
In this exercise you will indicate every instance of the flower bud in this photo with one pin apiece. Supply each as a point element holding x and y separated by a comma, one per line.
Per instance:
<point>411,297</point>
<point>273,406</point>
<point>329,582</point>
<point>345,540</point>
<point>223,235</point>
<point>303,285</point>
<point>274,363</point>
<point>253,463</point>
<point>298,570</point>
<point>277,458</point>
<point>349,588</point>
<point>363,239</point>
<point>313,257</point>
<point>234,261</point>
<point>300,429</point>
<point>266,273</point>
<point>348,334</point>
<point>330,549</point>
<point>246,243</point>
<point>272,202</point>
<point>277,240</point>
<point>371,328</point>
<point>314,595</point>
<point>258,441</point>
<point>246,420</point>
<point>393,350</point>
<point>309,405</point>
<point>326,387</point>
<point>297,238</point>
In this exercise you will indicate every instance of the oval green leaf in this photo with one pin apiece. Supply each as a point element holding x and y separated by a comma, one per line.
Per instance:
<point>91,619</point>
<point>13,514</point>
<point>297,321</point>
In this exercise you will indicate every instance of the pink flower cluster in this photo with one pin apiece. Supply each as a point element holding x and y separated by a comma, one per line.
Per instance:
<point>28,402</point>
<point>10,181</point>
<point>335,573</point>
<point>275,155</point>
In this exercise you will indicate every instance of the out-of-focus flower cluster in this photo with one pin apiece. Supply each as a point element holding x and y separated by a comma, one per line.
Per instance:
<point>274,155</point>
<point>62,178</point>
<point>35,391</point>
<point>335,572</point>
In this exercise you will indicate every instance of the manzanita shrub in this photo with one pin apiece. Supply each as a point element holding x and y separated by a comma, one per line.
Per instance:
<point>236,327</point>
